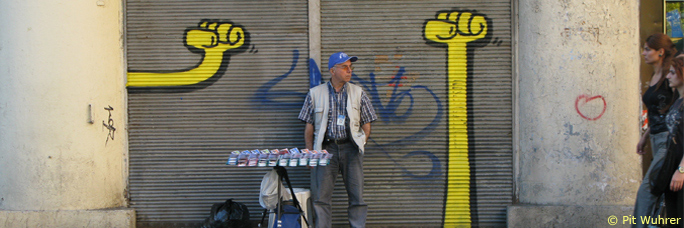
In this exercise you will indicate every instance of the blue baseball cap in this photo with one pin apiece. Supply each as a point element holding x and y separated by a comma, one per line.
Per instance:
<point>338,58</point>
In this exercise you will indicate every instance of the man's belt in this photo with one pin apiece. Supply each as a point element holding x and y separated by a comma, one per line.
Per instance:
<point>336,141</point>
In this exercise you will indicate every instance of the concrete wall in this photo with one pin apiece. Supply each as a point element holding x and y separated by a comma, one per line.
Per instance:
<point>56,59</point>
<point>70,219</point>
<point>578,103</point>
<point>650,21</point>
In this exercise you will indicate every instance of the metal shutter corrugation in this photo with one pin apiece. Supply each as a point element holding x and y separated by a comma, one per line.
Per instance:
<point>405,166</point>
<point>180,137</point>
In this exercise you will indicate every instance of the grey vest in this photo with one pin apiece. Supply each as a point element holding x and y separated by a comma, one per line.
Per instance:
<point>321,97</point>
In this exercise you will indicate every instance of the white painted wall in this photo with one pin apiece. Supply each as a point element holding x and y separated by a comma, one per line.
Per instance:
<point>56,58</point>
<point>582,48</point>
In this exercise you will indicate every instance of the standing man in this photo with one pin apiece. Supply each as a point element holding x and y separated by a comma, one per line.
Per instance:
<point>338,116</point>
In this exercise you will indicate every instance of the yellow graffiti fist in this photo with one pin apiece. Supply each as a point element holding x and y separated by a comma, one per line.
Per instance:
<point>215,36</point>
<point>456,28</point>
<point>212,39</point>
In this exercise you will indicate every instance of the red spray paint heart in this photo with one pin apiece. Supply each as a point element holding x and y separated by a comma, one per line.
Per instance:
<point>593,104</point>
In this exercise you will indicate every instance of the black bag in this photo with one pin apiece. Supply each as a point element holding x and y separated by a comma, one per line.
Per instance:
<point>661,174</point>
<point>228,215</point>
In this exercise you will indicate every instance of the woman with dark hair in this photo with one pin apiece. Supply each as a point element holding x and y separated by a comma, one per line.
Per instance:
<point>658,52</point>
<point>675,127</point>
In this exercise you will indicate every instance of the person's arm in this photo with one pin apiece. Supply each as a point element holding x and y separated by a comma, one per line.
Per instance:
<point>366,129</point>
<point>642,141</point>
<point>306,116</point>
<point>367,114</point>
<point>677,178</point>
<point>309,136</point>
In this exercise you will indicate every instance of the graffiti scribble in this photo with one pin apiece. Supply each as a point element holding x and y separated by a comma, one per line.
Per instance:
<point>109,124</point>
<point>388,112</point>
<point>268,96</point>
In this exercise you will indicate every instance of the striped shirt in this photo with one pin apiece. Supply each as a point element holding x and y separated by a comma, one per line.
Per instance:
<point>338,102</point>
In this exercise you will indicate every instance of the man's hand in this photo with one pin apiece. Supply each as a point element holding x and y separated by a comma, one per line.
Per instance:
<point>366,130</point>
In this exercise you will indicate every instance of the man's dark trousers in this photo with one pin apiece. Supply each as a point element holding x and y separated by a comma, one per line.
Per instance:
<point>347,160</point>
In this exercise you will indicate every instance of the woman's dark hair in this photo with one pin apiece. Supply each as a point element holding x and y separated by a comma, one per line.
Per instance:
<point>678,65</point>
<point>659,41</point>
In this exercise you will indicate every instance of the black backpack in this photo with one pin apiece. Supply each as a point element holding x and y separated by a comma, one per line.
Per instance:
<point>228,215</point>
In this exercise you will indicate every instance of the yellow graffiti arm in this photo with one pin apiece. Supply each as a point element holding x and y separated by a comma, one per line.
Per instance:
<point>213,39</point>
<point>456,30</point>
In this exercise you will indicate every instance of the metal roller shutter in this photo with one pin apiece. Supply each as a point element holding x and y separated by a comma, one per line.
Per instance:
<point>408,159</point>
<point>180,136</point>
